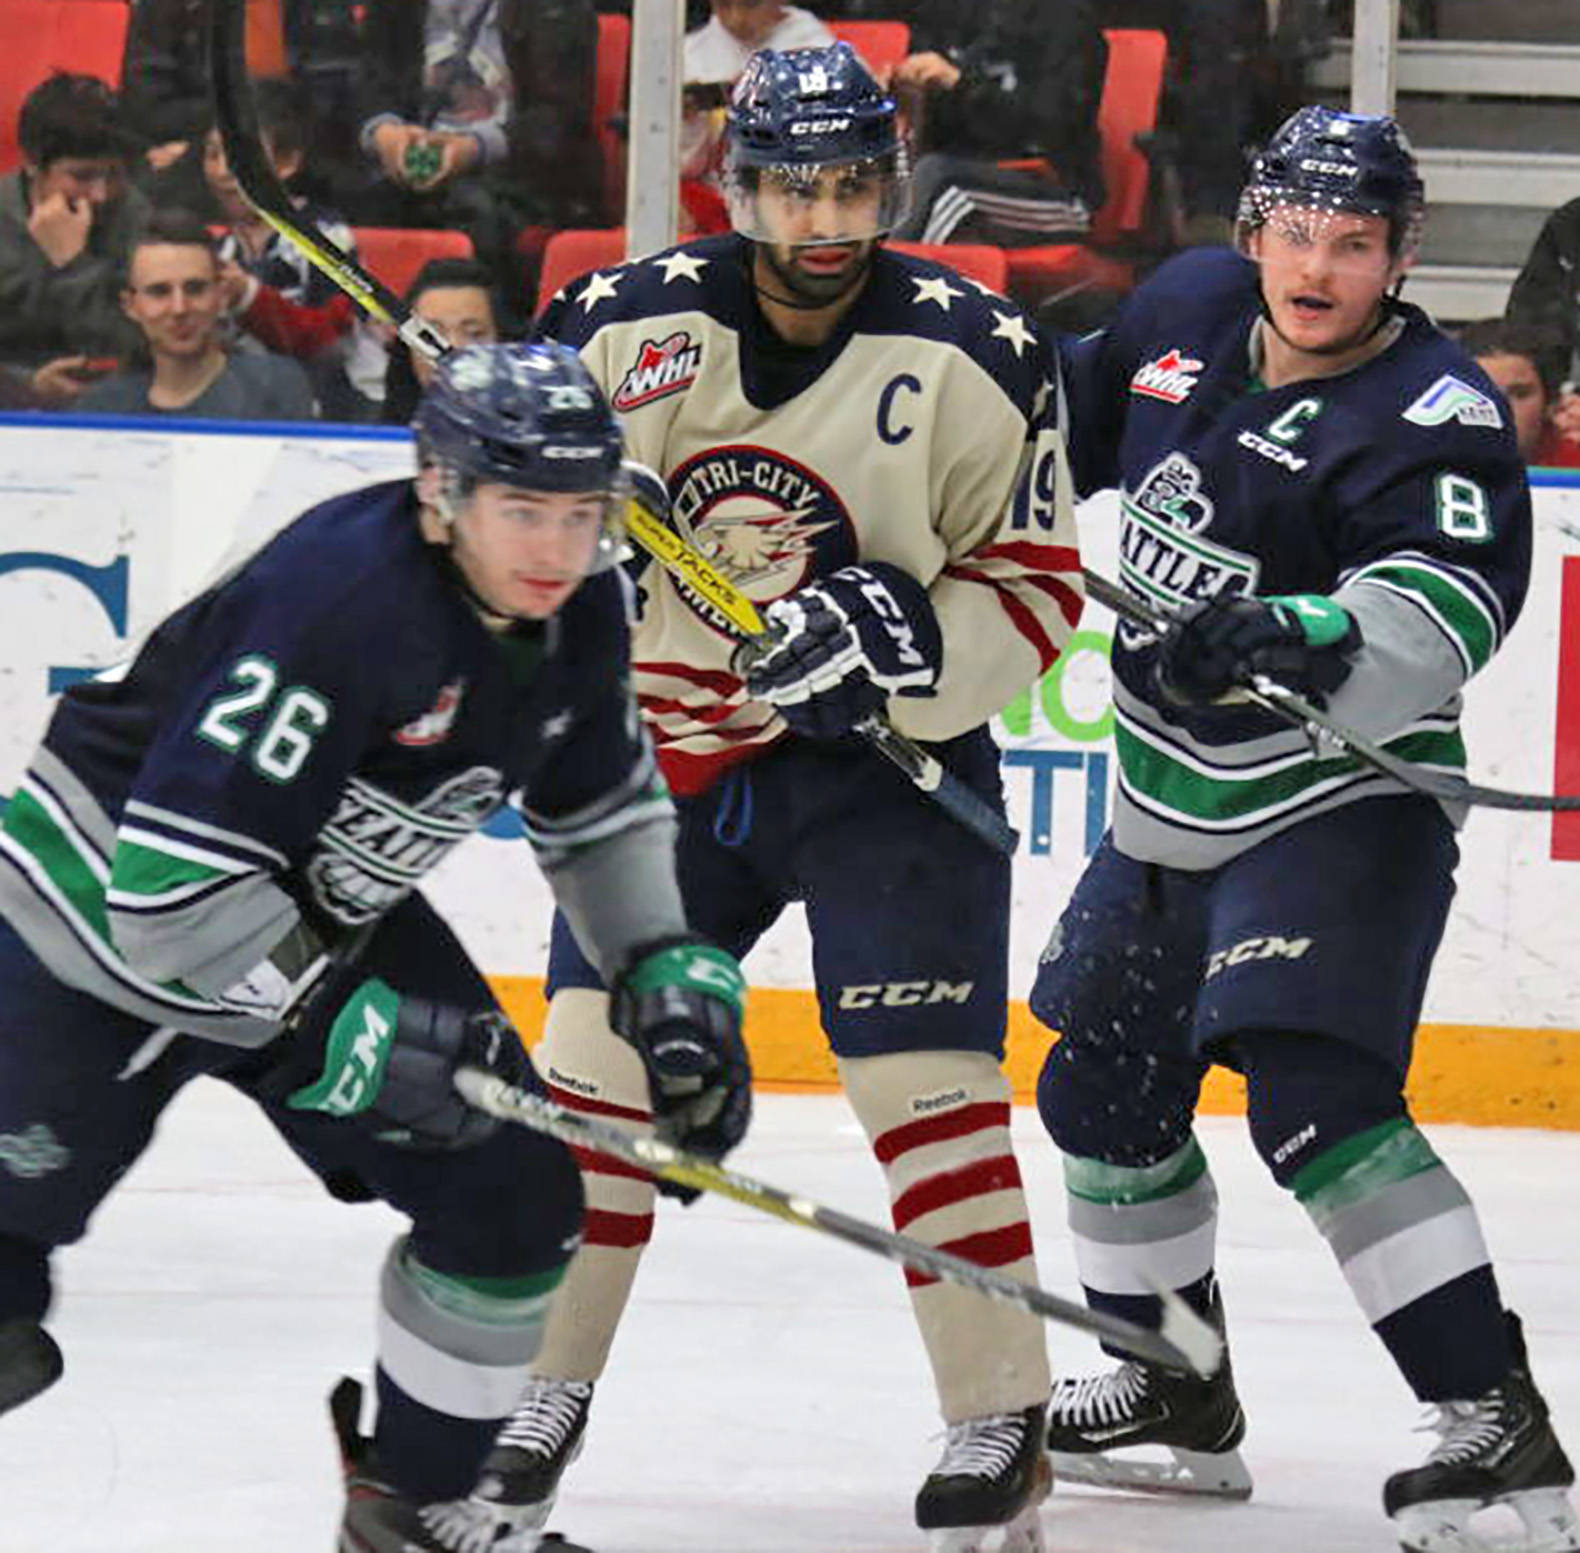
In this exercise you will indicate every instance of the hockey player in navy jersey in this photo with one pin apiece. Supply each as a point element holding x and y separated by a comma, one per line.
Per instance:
<point>211,868</point>
<point>1322,489</point>
<point>867,444</point>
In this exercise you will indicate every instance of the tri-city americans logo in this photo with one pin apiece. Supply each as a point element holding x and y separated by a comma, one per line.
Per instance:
<point>767,521</point>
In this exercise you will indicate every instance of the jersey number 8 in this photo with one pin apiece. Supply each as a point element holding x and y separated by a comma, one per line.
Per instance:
<point>1462,509</point>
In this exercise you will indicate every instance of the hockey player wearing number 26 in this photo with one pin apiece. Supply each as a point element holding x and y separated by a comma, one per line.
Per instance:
<point>1327,492</point>
<point>866,445</point>
<point>210,868</point>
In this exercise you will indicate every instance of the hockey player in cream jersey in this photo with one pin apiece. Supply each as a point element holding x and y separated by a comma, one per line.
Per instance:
<point>1326,491</point>
<point>868,446</point>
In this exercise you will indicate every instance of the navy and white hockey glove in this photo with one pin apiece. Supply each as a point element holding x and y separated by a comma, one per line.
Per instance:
<point>838,648</point>
<point>679,1003</point>
<point>394,1058</point>
<point>1304,641</point>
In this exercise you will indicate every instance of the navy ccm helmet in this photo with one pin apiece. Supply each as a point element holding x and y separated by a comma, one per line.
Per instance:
<point>793,114</point>
<point>1359,163</point>
<point>531,416</point>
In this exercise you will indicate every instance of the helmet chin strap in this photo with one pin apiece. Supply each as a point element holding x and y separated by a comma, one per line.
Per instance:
<point>858,275</point>
<point>1387,307</point>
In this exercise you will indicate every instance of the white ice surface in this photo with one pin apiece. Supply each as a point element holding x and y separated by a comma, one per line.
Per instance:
<point>767,1392</point>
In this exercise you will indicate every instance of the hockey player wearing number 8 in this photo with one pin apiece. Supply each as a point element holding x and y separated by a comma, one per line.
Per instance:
<point>210,868</point>
<point>866,444</point>
<point>1328,492</point>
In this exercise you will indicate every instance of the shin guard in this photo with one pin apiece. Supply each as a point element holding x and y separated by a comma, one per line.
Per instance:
<point>939,1123</point>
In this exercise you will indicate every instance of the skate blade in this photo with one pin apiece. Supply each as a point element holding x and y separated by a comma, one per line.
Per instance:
<point>1023,1534</point>
<point>1209,1474</point>
<point>1548,1519</point>
<point>479,1526</point>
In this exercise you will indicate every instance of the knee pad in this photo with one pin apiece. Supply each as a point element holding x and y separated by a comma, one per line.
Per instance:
<point>589,1068</point>
<point>938,1122</point>
<point>1306,1094</point>
<point>582,1060</point>
<point>459,1344</point>
<point>1117,1104</point>
<point>903,1099</point>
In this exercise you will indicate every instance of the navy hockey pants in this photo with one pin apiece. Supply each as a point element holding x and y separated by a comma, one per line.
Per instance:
<point>81,1088</point>
<point>908,912</point>
<point>1328,929</point>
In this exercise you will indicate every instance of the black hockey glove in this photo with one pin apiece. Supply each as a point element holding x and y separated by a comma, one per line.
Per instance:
<point>679,1003</point>
<point>1304,641</point>
<point>394,1058</point>
<point>838,648</point>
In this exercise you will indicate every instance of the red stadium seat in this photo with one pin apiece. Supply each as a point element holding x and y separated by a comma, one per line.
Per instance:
<point>609,87</point>
<point>1132,90</point>
<point>87,37</point>
<point>575,252</point>
<point>882,44</point>
<point>394,254</point>
<point>976,261</point>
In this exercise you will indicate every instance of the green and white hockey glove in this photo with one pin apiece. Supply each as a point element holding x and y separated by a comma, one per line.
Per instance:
<point>393,1059</point>
<point>679,1002</point>
<point>1303,641</point>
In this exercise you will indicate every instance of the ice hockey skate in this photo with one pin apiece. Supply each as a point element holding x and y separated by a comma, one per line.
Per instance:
<point>380,1519</point>
<point>516,1488</point>
<point>30,1362</point>
<point>1499,1449</point>
<point>1197,1421</point>
<point>983,1495</point>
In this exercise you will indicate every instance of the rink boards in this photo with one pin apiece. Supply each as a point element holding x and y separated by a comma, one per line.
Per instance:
<point>107,527</point>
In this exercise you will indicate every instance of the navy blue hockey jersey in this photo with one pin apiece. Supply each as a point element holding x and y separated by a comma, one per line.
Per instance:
<point>1395,487</point>
<point>309,738</point>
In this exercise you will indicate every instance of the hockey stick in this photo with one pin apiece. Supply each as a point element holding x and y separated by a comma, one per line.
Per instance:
<point>238,130</point>
<point>925,770</point>
<point>1295,709</point>
<point>1183,1340</point>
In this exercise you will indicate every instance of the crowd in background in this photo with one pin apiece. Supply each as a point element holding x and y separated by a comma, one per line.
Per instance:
<point>135,278</point>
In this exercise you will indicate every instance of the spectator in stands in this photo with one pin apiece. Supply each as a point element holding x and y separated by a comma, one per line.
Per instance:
<point>1003,80</point>
<point>1546,422</point>
<point>477,114</point>
<point>1545,298</point>
<point>1220,64</point>
<point>276,295</point>
<point>173,295</point>
<point>66,223</point>
<point>456,296</point>
<point>717,51</point>
<point>167,86</point>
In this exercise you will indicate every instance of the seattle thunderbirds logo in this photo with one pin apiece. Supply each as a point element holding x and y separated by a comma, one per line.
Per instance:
<point>764,520</point>
<point>1164,552</point>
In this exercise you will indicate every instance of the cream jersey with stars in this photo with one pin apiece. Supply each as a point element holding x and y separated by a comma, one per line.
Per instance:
<point>925,433</point>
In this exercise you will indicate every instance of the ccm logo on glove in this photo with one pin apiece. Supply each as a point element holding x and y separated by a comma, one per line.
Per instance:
<point>838,648</point>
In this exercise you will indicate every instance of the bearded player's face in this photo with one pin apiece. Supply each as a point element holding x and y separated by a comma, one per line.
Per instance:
<point>820,224</point>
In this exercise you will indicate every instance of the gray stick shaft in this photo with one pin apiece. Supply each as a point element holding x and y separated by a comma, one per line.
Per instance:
<point>964,804</point>
<point>1184,1342</point>
<point>1273,697</point>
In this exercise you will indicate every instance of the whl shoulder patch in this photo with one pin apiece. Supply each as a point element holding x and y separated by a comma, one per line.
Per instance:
<point>1452,399</point>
